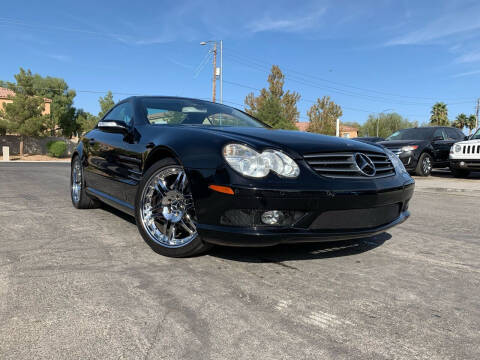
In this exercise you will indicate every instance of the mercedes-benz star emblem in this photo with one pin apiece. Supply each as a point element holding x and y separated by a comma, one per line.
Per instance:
<point>365,164</point>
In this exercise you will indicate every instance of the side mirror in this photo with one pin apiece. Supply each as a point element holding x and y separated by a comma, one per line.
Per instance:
<point>113,126</point>
<point>438,138</point>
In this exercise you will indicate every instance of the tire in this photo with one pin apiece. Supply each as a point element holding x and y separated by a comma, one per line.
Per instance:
<point>164,209</point>
<point>460,173</point>
<point>425,165</point>
<point>80,198</point>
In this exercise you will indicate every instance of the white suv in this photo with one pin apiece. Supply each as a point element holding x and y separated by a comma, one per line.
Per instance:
<point>465,156</point>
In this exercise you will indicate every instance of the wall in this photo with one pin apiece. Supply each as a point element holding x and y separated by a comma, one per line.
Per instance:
<point>33,146</point>
<point>47,105</point>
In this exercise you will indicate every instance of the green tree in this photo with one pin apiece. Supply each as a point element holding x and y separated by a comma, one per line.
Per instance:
<point>323,116</point>
<point>471,123</point>
<point>460,121</point>
<point>106,103</point>
<point>439,115</point>
<point>275,99</point>
<point>387,124</point>
<point>85,121</point>
<point>24,114</point>
<point>62,112</point>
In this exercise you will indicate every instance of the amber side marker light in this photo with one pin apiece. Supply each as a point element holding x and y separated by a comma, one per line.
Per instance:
<point>222,189</point>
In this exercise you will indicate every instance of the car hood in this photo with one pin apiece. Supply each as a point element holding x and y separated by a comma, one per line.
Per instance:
<point>297,141</point>
<point>469,142</point>
<point>395,144</point>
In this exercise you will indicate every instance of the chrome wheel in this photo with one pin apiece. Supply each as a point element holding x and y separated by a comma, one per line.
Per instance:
<point>76,181</point>
<point>427,165</point>
<point>167,212</point>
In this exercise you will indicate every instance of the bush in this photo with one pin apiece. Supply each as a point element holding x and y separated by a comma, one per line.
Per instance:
<point>56,148</point>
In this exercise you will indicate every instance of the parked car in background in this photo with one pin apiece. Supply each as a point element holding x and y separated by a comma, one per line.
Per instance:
<point>372,139</point>
<point>424,148</point>
<point>465,156</point>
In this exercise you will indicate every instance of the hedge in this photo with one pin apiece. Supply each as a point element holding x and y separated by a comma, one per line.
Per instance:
<point>56,148</point>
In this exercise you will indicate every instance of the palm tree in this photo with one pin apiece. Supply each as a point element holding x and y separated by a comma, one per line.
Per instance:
<point>460,121</point>
<point>471,123</point>
<point>439,115</point>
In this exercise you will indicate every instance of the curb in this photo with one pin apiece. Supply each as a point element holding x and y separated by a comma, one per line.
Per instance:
<point>35,161</point>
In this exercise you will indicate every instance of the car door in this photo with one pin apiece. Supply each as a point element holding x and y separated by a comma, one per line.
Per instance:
<point>111,153</point>
<point>441,146</point>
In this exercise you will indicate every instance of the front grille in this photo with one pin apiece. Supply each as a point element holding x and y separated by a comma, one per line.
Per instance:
<point>356,218</point>
<point>471,149</point>
<point>343,165</point>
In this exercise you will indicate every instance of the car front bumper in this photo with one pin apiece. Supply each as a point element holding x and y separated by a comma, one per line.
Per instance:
<point>465,164</point>
<point>317,215</point>
<point>409,159</point>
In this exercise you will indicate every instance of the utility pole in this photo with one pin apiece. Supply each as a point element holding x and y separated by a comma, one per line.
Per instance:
<point>216,71</point>
<point>476,114</point>
<point>214,79</point>
<point>221,72</point>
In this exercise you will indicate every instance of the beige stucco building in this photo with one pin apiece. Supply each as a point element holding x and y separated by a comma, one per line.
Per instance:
<point>348,132</point>
<point>6,94</point>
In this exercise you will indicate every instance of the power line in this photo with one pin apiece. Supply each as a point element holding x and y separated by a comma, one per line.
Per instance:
<point>333,89</point>
<point>313,101</point>
<point>309,76</point>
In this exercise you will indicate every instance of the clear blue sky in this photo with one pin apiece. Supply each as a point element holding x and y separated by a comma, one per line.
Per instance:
<point>367,55</point>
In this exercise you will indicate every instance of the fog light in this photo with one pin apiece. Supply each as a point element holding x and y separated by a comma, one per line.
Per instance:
<point>462,163</point>
<point>272,217</point>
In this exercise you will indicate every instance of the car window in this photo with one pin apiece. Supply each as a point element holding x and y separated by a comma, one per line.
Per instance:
<point>454,134</point>
<point>424,133</point>
<point>122,112</point>
<point>194,112</point>
<point>439,133</point>
<point>476,135</point>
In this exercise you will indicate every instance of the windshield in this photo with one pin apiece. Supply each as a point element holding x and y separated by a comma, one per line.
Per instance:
<point>412,134</point>
<point>476,136</point>
<point>160,111</point>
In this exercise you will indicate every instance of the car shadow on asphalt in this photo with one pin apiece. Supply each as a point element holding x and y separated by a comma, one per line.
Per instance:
<point>284,252</point>
<point>121,214</point>
<point>307,251</point>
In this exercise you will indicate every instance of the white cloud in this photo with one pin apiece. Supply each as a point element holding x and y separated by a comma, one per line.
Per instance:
<point>448,25</point>
<point>469,57</point>
<point>293,24</point>
<point>468,73</point>
<point>60,57</point>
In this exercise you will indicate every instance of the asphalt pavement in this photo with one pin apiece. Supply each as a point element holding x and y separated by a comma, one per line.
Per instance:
<point>82,284</point>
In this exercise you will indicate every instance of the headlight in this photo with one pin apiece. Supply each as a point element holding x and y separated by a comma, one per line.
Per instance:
<point>396,162</point>
<point>458,148</point>
<point>251,163</point>
<point>409,148</point>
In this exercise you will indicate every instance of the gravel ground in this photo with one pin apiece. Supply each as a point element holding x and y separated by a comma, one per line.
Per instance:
<point>81,284</point>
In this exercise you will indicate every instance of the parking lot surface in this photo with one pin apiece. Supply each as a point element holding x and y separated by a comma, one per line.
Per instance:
<point>82,284</point>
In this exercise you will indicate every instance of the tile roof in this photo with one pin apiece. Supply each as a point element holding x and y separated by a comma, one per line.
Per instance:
<point>5,93</point>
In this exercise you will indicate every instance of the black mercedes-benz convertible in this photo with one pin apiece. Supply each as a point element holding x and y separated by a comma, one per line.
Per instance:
<point>196,173</point>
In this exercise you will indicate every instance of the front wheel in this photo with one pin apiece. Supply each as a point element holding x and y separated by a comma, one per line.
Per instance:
<point>165,212</point>
<point>425,165</point>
